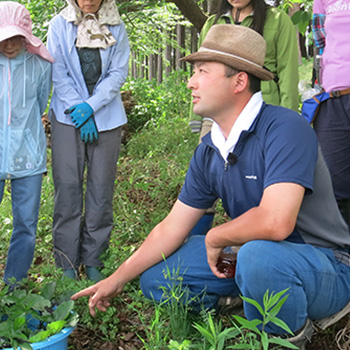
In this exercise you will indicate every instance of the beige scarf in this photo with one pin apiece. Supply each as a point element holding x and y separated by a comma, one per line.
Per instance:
<point>92,27</point>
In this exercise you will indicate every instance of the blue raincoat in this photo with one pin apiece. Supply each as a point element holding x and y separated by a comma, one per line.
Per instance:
<point>24,91</point>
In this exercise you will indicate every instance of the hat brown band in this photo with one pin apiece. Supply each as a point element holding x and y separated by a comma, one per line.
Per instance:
<point>204,49</point>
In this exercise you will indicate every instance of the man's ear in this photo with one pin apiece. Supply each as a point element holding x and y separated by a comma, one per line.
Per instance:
<point>241,81</point>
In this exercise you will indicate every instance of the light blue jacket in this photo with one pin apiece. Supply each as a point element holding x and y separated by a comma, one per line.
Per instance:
<point>69,86</point>
<point>24,90</point>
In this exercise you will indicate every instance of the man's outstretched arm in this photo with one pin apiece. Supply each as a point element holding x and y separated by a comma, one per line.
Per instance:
<point>163,240</point>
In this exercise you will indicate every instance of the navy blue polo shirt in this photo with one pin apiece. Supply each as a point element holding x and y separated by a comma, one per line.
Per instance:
<point>280,146</point>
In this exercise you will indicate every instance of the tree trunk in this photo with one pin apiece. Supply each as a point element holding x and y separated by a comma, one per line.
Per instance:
<point>168,51</point>
<point>160,67</point>
<point>180,37</point>
<point>191,10</point>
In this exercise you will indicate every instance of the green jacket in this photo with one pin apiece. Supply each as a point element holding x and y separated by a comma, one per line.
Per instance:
<point>282,59</point>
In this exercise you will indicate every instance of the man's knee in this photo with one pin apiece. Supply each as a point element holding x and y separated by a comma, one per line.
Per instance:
<point>256,261</point>
<point>152,283</point>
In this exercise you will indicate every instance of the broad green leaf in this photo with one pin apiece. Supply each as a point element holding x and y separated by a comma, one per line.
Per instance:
<point>251,325</point>
<point>283,342</point>
<point>48,290</point>
<point>231,332</point>
<point>4,328</point>
<point>19,322</point>
<point>211,324</point>
<point>240,346</point>
<point>221,342</point>
<point>273,298</point>
<point>63,310</point>
<point>276,309</point>
<point>302,27</point>
<point>40,336</point>
<point>56,326</point>
<point>206,334</point>
<point>297,17</point>
<point>264,340</point>
<point>255,303</point>
<point>26,346</point>
<point>19,293</point>
<point>36,302</point>
<point>278,322</point>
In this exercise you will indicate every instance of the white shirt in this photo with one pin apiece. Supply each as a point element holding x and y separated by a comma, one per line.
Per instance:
<point>243,122</point>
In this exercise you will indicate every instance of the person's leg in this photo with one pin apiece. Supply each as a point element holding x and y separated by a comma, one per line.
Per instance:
<point>102,160</point>
<point>317,282</point>
<point>187,268</point>
<point>68,162</point>
<point>332,127</point>
<point>25,194</point>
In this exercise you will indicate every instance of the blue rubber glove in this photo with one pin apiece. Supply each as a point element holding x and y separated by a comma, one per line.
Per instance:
<point>80,113</point>
<point>88,132</point>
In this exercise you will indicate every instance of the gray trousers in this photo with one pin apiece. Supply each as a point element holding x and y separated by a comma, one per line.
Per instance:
<point>80,236</point>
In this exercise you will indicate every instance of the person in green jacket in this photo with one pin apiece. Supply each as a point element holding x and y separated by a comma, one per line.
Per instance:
<point>281,50</point>
<point>281,59</point>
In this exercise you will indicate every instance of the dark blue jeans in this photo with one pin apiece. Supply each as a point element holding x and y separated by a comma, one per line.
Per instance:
<point>318,283</point>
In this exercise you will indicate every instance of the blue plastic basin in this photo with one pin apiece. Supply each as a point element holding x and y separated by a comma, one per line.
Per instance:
<point>58,341</point>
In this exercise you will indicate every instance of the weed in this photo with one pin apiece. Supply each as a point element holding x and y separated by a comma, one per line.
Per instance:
<point>255,335</point>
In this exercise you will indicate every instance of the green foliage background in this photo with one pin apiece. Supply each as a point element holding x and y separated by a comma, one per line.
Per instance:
<point>148,22</point>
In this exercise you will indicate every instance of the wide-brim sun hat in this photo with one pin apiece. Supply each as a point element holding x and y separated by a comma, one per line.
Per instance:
<point>236,46</point>
<point>15,20</point>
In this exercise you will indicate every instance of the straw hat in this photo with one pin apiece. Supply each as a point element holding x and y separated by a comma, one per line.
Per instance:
<point>15,20</point>
<point>236,46</point>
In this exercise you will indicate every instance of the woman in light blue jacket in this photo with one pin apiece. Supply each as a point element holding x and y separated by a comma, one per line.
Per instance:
<point>25,86</point>
<point>89,43</point>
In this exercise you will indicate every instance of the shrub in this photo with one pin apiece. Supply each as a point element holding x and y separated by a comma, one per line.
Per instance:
<point>157,103</point>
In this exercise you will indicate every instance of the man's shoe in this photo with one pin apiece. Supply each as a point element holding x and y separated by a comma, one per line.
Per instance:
<point>228,306</point>
<point>70,273</point>
<point>328,321</point>
<point>302,336</point>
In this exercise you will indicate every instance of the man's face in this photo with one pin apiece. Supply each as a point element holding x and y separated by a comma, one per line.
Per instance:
<point>211,89</point>
<point>11,47</point>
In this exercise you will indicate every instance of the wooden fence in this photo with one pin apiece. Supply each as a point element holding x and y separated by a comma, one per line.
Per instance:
<point>158,66</point>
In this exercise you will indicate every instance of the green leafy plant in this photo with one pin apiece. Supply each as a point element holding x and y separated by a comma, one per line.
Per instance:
<point>215,334</point>
<point>174,345</point>
<point>28,318</point>
<point>247,334</point>
<point>172,319</point>
<point>256,338</point>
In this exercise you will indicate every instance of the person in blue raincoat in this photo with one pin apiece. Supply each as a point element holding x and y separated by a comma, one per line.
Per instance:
<point>25,68</point>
